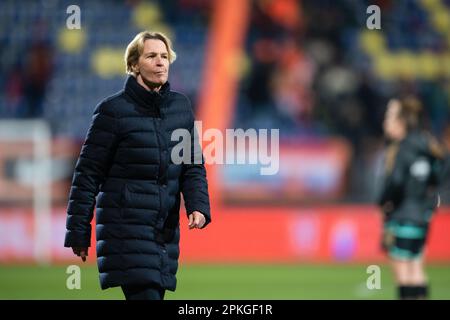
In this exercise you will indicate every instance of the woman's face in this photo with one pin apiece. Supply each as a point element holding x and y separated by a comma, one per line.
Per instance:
<point>394,127</point>
<point>153,64</point>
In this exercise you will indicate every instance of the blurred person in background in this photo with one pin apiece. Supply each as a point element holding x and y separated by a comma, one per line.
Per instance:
<point>125,160</point>
<point>414,165</point>
<point>27,82</point>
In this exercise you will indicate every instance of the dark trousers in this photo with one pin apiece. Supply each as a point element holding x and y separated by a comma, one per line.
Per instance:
<point>143,293</point>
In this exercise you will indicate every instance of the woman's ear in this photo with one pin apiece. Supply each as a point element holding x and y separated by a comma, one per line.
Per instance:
<point>135,69</point>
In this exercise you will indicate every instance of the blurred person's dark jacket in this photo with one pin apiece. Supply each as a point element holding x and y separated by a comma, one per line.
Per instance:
<point>416,167</point>
<point>126,161</point>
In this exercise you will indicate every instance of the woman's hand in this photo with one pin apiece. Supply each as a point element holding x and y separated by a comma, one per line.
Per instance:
<point>81,252</point>
<point>196,220</point>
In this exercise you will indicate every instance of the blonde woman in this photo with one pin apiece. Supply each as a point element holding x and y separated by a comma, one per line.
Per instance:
<point>125,162</point>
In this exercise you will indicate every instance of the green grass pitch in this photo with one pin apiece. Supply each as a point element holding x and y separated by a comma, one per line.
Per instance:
<point>210,281</point>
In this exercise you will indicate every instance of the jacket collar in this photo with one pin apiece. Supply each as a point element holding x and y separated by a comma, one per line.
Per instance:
<point>144,98</point>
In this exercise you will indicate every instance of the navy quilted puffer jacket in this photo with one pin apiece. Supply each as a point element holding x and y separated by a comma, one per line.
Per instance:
<point>125,170</point>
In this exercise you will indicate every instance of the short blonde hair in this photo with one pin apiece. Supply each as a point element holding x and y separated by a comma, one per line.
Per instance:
<point>136,47</point>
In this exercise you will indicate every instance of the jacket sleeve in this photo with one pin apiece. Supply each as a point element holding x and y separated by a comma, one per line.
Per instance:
<point>392,190</point>
<point>193,182</point>
<point>90,171</point>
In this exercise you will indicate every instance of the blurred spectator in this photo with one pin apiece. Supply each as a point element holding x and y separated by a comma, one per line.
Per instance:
<point>292,83</point>
<point>259,93</point>
<point>36,75</point>
<point>26,83</point>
